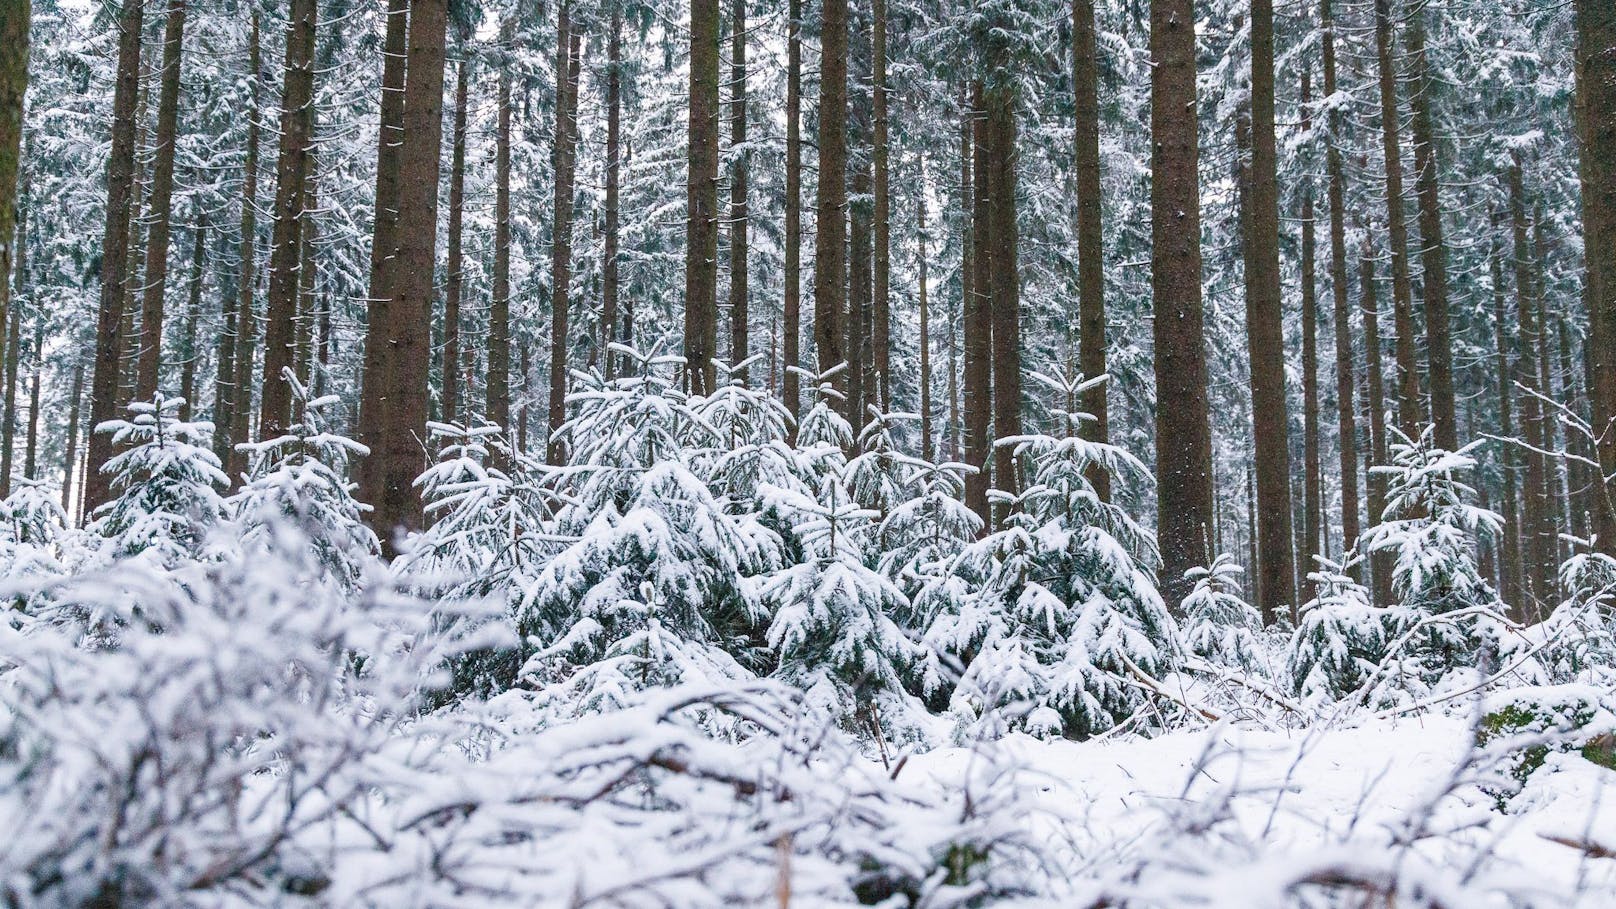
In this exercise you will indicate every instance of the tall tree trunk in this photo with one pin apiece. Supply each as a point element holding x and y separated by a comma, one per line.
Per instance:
<point>450,364</point>
<point>8,430</point>
<point>1312,471</point>
<point>927,443</point>
<point>1265,332</point>
<point>1183,427</point>
<point>303,336</point>
<point>380,318</point>
<point>614,144</point>
<point>30,461</point>
<point>1409,416</point>
<point>701,226</point>
<point>1005,302</point>
<point>193,308</point>
<point>791,390</point>
<point>1381,586</point>
<point>1576,475</point>
<point>291,176</point>
<point>1091,338</point>
<point>567,53</point>
<point>149,364</point>
<point>1537,530</point>
<point>1433,254</point>
<point>830,236</point>
<point>1346,413</point>
<point>739,288</point>
<point>396,454</point>
<point>1596,107</point>
<point>70,456</point>
<point>498,383</point>
<point>114,253</point>
<point>858,282</point>
<point>14,25</point>
<point>881,290</point>
<point>967,205</point>
<point>129,334</point>
<point>241,394</point>
<point>978,322</point>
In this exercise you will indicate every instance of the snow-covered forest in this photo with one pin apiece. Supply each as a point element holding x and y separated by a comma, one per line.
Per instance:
<point>799,453</point>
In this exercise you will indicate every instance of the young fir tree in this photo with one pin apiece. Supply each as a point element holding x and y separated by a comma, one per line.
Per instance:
<point>300,477</point>
<point>167,481</point>
<point>1447,615</point>
<point>1219,625</point>
<point>1340,641</point>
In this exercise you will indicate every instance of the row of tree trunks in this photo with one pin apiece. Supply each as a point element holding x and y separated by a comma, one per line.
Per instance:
<point>149,361</point>
<point>1346,415</point>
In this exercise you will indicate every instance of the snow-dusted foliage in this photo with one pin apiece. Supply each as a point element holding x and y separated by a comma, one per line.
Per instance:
<point>167,482</point>
<point>1340,641</point>
<point>1219,625</point>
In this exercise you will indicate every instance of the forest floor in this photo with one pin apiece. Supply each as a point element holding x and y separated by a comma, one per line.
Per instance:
<point>1288,799</point>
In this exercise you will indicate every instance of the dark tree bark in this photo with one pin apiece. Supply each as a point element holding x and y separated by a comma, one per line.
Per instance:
<point>1577,475</point>
<point>567,54</point>
<point>1433,254</point>
<point>830,236</point>
<point>978,322</point>
<point>499,308</point>
<point>241,393</point>
<point>449,367</point>
<point>30,461</point>
<point>614,144</point>
<point>104,398</point>
<point>1409,415</point>
<point>1005,301</point>
<point>791,390</point>
<point>1091,338</point>
<point>1537,529</point>
<point>285,265</point>
<point>149,363</point>
<point>70,457</point>
<point>1312,470</point>
<point>1183,428</point>
<point>881,285</point>
<point>927,443</point>
<point>739,288</point>
<point>193,309</point>
<point>1346,413</point>
<point>859,277</point>
<point>396,454</point>
<point>14,24</point>
<point>303,334</point>
<point>1380,586</point>
<point>8,429</point>
<point>1596,108</point>
<point>701,226</point>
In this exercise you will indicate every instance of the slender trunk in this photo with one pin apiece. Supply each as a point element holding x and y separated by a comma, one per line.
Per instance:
<point>241,395</point>
<point>499,309</point>
<point>1346,413</point>
<point>881,290</point>
<point>30,462</point>
<point>291,174</point>
<point>1433,255</point>
<point>8,430</point>
<point>1381,586</point>
<point>1091,340</point>
<point>1575,471</point>
<point>978,323</point>
<point>830,236</point>
<point>1183,427</point>
<point>1005,302</point>
<point>149,364</point>
<point>859,251</point>
<point>927,445</point>
<point>701,226</point>
<point>450,364</point>
<point>738,217</point>
<point>1265,332</point>
<point>130,334</point>
<point>1312,470</point>
<point>193,308</point>
<point>71,455</point>
<point>396,454</point>
<point>1409,417</point>
<point>114,252</point>
<point>1537,530</point>
<point>956,426</point>
<point>567,53</point>
<point>614,142</point>
<point>791,390</point>
<point>14,26</point>
<point>1596,108</point>
<point>303,337</point>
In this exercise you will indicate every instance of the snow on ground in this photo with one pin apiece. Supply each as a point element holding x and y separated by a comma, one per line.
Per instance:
<point>1322,794</point>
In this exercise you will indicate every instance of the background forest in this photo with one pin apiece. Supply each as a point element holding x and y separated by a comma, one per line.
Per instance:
<point>583,451</point>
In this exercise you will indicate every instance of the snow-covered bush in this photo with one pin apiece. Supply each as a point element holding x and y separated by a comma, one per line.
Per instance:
<point>1340,641</point>
<point>167,481</point>
<point>1219,625</point>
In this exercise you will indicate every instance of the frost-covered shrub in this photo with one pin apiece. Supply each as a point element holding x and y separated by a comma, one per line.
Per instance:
<point>33,531</point>
<point>1558,717</point>
<point>1580,635</point>
<point>167,481</point>
<point>1340,641</point>
<point>1219,625</point>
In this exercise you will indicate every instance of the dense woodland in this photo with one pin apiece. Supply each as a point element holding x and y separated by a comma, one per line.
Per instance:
<point>612,384</point>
